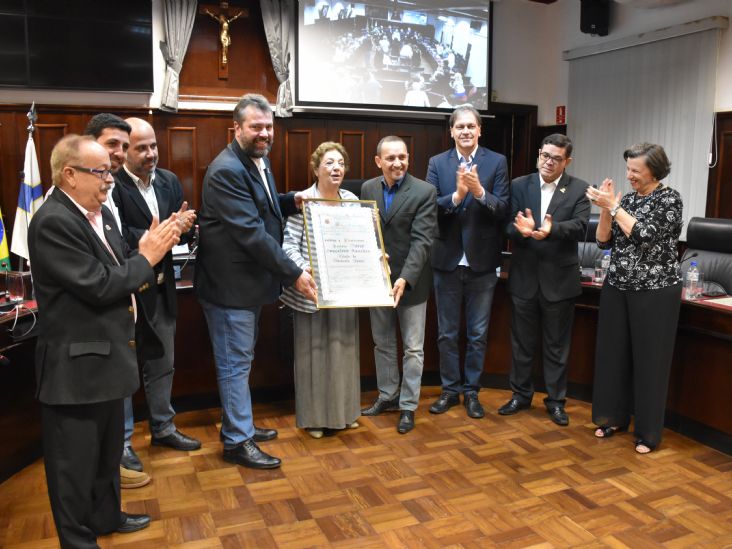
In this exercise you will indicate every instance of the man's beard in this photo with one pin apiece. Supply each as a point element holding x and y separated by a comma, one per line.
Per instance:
<point>251,150</point>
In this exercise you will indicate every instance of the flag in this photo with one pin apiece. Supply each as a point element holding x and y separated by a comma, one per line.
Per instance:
<point>30,199</point>
<point>4,254</point>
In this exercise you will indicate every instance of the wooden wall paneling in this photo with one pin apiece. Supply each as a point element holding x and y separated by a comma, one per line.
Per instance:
<point>294,141</point>
<point>182,142</point>
<point>10,158</point>
<point>46,136</point>
<point>250,65</point>
<point>355,144</point>
<point>298,146</point>
<point>724,192</point>
<point>719,183</point>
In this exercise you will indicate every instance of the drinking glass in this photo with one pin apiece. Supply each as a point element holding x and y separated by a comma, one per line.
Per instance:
<point>15,286</point>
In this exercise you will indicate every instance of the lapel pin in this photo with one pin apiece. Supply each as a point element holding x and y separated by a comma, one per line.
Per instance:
<point>563,189</point>
<point>108,227</point>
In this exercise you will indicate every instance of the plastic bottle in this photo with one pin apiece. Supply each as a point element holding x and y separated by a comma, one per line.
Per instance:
<point>606,261</point>
<point>692,289</point>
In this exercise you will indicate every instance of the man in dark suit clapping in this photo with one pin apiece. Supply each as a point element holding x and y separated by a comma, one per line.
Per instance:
<point>549,215</point>
<point>143,191</point>
<point>472,202</point>
<point>408,216</point>
<point>241,266</point>
<point>86,356</point>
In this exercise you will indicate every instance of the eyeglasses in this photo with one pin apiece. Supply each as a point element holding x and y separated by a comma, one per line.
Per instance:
<point>330,164</point>
<point>102,174</point>
<point>546,157</point>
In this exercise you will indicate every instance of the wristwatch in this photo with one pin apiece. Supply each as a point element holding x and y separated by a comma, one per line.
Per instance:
<point>614,210</point>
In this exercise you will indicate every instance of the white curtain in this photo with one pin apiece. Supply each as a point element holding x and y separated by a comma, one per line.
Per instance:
<point>661,92</point>
<point>278,19</point>
<point>178,19</point>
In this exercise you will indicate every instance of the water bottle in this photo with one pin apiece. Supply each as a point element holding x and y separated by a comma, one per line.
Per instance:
<point>606,260</point>
<point>692,289</point>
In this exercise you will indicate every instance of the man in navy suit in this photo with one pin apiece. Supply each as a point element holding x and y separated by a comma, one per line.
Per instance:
<point>240,266</point>
<point>143,191</point>
<point>472,204</point>
<point>550,213</point>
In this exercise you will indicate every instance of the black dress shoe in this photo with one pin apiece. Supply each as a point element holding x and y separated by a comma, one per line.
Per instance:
<point>513,406</point>
<point>263,435</point>
<point>177,441</point>
<point>379,406</point>
<point>248,454</point>
<point>558,415</point>
<point>130,460</point>
<point>133,523</point>
<point>406,421</point>
<point>444,403</point>
<point>473,406</point>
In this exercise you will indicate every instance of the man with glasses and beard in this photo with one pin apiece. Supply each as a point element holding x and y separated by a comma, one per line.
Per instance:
<point>241,266</point>
<point>549,212</point>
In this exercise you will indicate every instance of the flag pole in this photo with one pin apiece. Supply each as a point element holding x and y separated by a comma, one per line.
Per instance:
<point>32,116</point>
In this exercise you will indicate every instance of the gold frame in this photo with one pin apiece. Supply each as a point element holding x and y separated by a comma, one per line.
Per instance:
<point>386,273</point>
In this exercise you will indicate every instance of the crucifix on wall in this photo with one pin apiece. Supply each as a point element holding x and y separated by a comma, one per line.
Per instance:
<point>223,15</point>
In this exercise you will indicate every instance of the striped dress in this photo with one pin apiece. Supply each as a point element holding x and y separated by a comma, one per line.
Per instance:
<point>327,368</point>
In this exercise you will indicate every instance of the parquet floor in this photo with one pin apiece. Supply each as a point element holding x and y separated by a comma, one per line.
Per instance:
<point>452,482</point>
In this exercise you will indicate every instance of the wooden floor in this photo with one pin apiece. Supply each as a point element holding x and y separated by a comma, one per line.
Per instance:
<point>452,482</point>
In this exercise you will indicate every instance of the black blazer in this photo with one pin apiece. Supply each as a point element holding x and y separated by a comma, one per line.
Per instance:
<point>86,350</point>
<point>240,262</point>
<point>471,228</point>
<point>550,265</point>
<point>136,218</point>
<point>408,229</point>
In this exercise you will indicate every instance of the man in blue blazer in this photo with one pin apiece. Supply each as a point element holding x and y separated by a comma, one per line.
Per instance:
<point>143,191</point>
<point>240,266</point>
<point>472,204</point>
<point>549,212</point>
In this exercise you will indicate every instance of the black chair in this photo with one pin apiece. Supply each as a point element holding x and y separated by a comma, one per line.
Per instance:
<point>709,242</point>
<point>353,185</point>
<point>588,250</point>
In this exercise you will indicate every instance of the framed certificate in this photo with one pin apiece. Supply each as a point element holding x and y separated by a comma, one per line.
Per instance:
<point>346,251</point>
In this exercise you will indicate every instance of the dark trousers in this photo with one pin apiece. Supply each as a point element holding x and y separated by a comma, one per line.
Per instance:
<point>82,446</point>
<point>636,333</point>
<point>473,291</point>
<point>552,321</point>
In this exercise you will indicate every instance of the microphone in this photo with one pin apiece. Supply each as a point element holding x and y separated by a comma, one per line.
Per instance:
<point>688,257</point>
<point>584,277</point>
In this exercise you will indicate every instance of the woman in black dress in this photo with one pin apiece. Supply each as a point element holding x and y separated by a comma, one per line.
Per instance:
<point>640,300</point>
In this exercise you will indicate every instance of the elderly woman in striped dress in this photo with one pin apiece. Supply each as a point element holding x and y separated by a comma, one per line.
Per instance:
<point>327,372</point>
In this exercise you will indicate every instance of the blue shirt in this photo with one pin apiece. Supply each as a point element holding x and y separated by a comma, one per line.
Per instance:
<point>389,192</point>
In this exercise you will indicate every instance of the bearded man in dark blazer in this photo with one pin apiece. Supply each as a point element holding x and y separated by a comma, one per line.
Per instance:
<point>408,213</point>
<point>86,354</point>
<point>241,266</point>
<point>550,213</point>
<point>143,191</point>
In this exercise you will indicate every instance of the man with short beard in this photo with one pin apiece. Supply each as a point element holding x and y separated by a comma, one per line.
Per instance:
<point>143,192</point>
<point>240,266</point>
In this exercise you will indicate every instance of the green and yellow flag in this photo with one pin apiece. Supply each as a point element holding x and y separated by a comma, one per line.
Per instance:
<point>4,254</point>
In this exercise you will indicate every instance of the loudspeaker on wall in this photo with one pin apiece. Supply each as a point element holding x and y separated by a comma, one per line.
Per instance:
<point>595,17</point>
